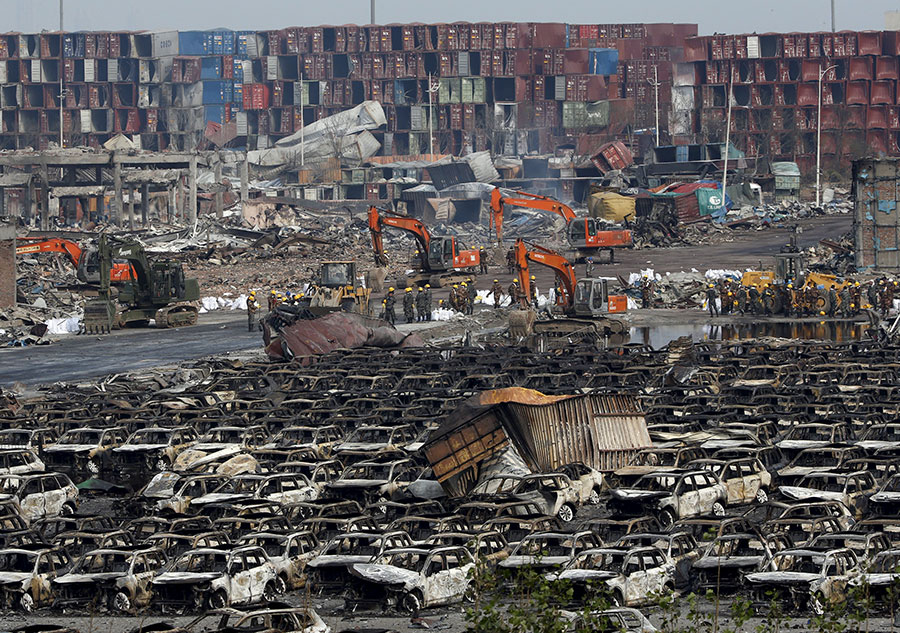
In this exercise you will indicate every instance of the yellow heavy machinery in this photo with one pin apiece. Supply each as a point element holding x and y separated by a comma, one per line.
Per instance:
<point>790,268</point>
<point>337,289</point>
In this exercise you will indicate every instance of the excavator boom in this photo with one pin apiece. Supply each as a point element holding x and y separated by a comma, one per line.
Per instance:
<point>119,272</point>
<point>527,201</point>
<point>564,270</point>
<point>379,218</point>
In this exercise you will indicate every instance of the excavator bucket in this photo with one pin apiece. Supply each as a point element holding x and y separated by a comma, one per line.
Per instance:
<point>99,316</point>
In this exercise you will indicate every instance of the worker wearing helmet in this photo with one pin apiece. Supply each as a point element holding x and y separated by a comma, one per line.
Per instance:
<point>855,298</point>
<point>482,261</point>
<point>532,289</point>
<point>497,291</point>
<point>252,309</point>
<point>470,297</point>
<point>420,305</point>
<point>516,296</point>
<point>272,301</point>
<point>711,296</point>
<point>409,305</point>
<point>428,302</point>
<point>389,302</point>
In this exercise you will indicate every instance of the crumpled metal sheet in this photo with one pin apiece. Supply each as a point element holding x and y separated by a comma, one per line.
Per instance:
<point>338,330</point>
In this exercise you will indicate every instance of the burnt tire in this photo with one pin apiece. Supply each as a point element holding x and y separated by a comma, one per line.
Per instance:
<point>281,585</point>
<point>594,497</point>
<point>26,602</point>
<point>818,603</point>
<point>762,497</point>
<point>120,601</point>
<point>469,594</point>
<point>667,519</point>
<point>218,600</point>
<point>718,509</point>
<point>566,513</point>
<point>269,592</point>
<point>67,510</point>
<point>411,603</point>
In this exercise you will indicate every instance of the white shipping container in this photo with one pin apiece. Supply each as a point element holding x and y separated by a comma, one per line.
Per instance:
<point>753,46</point>
<point>3,73</point>
<point>112,70</point>
<point>35,71</point>
<point>463,66</point>
<point>240,122</point>
<point>559,88</point>
<point>247,74</point>
<point>165,44</point>
<point>311,193</point>
<point>145,71</point>
<point>85,116</point>
<point>272,68</point>
<point>90,71</point>
<point>682,98</point>
<point>685,74</point>
<point>143,96</point>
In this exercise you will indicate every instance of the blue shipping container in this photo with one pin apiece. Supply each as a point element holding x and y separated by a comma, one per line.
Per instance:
<point>681,153</point>
<point>214,113</point>
<point>191,42</point>
<point>603,61</point>
<point>399,93</point>
<point>211,68</point>
<point>238,94</point>
<point>238,73</point>
<point>217,92</point>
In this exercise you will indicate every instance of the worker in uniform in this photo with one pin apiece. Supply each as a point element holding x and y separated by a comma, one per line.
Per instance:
<point>252,308</point>
<point>711,296</point>
<point>646,292</point>
<point>497,291</point>
<point>739,300</point>
<point>409,305</point>
<point>389,302</point>
<point>272,301</point>
<point>832,301</point>
<point>420,305</point>
<point>513,292</point>
<point>511,260</point>
<point>855,298</point>
<point>887,297</point>
<point>532,288</point>
<point>482,261</point>
<point>470,299</point>
<point>844,296</point>
<point>417,261</point>
<point>428,304</point>
<point>753,300</point>
<point>724,295</point>
<point>767,300</point>
<point>589,267</point>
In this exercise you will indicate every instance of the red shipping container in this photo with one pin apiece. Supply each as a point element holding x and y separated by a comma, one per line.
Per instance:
<point>877,118</point>
<point>228,66</point>
<point>876,142</point>
<point>827,45</point>
<point>839,50</point>
<point>894,118</point>
<point>69,70</point>
<point>860,69</point>
<point>814,45</point>
<point>857,93</point>
<point>882,92</point>
<point>850,47</point>
<point>277,94</point>
<point>151,120</point>
<point>808,94</point>
<point>886,68</point>
<point>788,45</point>
<point>575,61</point>
<point>696,49</point>
<point>90,45</point>
<point>856,117</point>
<point>316,37</point>
<point>115,46</point>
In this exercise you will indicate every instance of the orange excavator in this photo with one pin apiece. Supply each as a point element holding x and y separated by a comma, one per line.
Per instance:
<point>585,235</point>
<point>86,262</point>
<point>440,258</point>
<point>585,304</point>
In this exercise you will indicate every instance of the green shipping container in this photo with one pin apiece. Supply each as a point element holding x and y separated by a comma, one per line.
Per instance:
<point>597,114</point>
<point>709,200</point>
<point>574,114</point>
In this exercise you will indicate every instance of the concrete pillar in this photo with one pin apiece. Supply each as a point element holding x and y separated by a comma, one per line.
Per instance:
<point>219,195</point>
<point>130,208</point>
<point>2,201</point>
<point>145,203</point>
<point>120,200</point>
<point>28,203</point>
<point>245,179</point>
<point>170,206</point>
<point>192,192</point>
<point>45,198</point>
<point>7,265</point>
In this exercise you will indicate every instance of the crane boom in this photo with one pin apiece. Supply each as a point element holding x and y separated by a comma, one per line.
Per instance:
<point>564,270</point>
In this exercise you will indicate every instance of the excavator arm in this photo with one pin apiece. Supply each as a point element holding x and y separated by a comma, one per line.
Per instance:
<point>27,245</point>
<point>379,219</point>
<point>527,201</point>
<point>564,270</point>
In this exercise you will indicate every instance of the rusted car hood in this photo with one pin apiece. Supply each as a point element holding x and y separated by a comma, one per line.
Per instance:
<point>782,577</point>
<point>386,575</point>
<point>185,577</point>
<point>800,494</point>
<point>72,579</point>
<point>713,562</point>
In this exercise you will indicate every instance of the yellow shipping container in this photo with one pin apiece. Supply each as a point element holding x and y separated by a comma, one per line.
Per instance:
<point>611,206</point>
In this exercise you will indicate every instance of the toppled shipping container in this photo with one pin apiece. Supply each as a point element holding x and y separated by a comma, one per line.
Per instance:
<point>603,431</point>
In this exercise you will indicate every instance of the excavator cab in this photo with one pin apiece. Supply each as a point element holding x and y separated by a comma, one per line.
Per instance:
<point>444,253</point>
<point>592,298</point>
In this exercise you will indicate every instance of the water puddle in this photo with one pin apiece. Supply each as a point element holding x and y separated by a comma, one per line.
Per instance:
<point>660,335</point>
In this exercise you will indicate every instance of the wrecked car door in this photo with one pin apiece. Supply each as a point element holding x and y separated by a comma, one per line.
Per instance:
<point>239,579</point>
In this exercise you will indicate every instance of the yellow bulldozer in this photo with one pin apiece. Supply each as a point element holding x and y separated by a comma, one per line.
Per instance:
<point>337,289</point>
<point>790,268</point>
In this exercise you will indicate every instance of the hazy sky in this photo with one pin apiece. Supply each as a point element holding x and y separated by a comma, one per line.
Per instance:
<point>725,16</point>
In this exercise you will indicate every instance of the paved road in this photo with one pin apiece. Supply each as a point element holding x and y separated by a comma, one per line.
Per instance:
<point>80,357</point>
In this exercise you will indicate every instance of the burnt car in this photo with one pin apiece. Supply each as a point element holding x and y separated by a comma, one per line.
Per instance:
<point>329,570</point>
<point>412,579</point>
<point>40,495</point>
<point>26,576</point>
<point>557,495</point>
<point>217,578</point>
<point>152,449</point>
<point>728,558</point>
<point>673,494</point>
<point>120,580</point>
<point>84,452</point>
